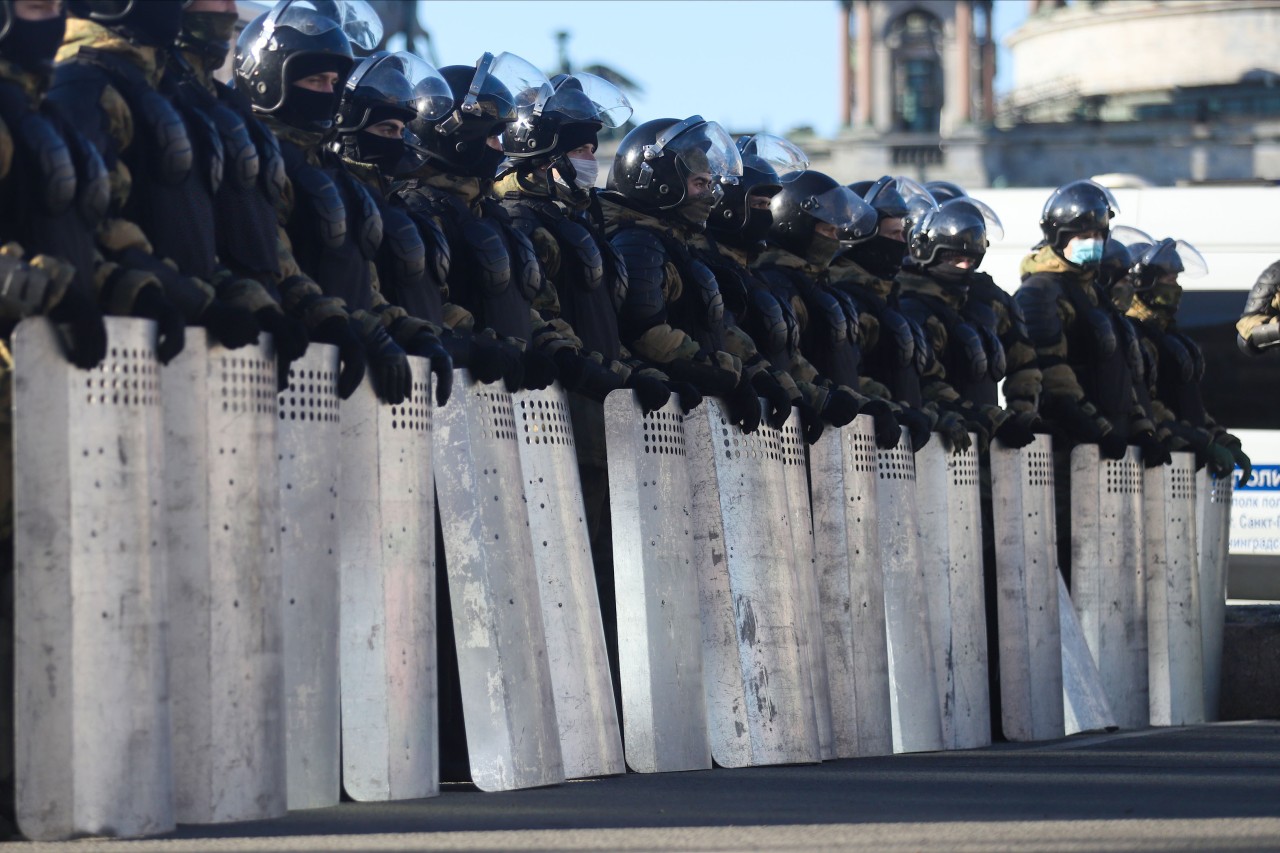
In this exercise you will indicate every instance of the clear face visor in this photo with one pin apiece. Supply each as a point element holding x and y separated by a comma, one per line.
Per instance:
<point>585,97</point>
<point>355,18</point>
<point>1176,256</point>
<point>781,155</point>
<point>1128,236</point>
<point>838,206</point>
<point>703,149</point>
<point>510,81</point>
<point>406,81</point>
<point>994,228</point>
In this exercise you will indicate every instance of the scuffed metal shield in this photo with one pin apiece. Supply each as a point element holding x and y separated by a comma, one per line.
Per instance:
<point>508,704</point>
<point>913,681</point>
<point>843,467</point>
<point>387,644</point>
<point>951,544</point>
<point>222,517</point>
<point>1026,577</point>
<point>590,738</point>
<point>804,549</point>
<point>664,711</point>
<point>1108,585</point>
<point>92,727</point>
<point>1084,703</point>
<point>759,697</point>
<point>1213,528</point>
<point>309,432</point>
<point>1175,668</point>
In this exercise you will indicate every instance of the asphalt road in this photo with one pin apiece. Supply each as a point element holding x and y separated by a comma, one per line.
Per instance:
<point>1213,787</point>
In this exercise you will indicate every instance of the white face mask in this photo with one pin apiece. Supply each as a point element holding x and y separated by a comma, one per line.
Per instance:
<point>587,172</point>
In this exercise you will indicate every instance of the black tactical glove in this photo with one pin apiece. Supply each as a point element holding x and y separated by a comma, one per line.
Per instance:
<point>919,427</point>
<point>955,432</point>
<point>389,367</point>
<point>1154,454</point>
<point>1112,445</point>
<point>351,358</point>
<point>689,395</point>
<point>887,430</point>
<point>1075,422</point>
<point>81,330</point>
<point>1018,430</point>
<point>428,346</point>
<point>743,407</point>
<point>539,370</point>
<point>1220,460</point>
<point>487,359</point>
<point>290,339</point>
<point>711,372</point>
<point>170,327</point>
<point>230,325</point>
<point>652,393</point>
<point>840,407</point>
<point>775,396</point>
<point>811,423</point>
<point>1233,444</point>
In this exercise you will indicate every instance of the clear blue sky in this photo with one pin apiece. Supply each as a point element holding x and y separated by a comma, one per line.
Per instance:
<point>761,64</point>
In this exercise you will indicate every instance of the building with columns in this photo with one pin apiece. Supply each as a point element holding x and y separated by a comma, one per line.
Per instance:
<point>1173,91</point>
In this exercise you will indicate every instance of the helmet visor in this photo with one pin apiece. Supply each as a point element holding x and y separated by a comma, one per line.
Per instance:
<point>838,206</point>
<point>585,97</point>
<point>355,18</point>
<point>1129,236</point>
<point>781,155</point>
<point>863,226</point>
<point>1177,256</point>
<point>512,81</point>
<point>406,81</point>
<point>706,148</point>
<point>995,229</point>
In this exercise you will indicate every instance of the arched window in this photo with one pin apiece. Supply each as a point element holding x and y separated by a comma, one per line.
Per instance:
<point>914,41</point>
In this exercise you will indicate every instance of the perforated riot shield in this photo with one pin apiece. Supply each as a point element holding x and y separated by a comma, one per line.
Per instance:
<point>222,517</point>
<point>92,728</point>
<point>1213,528</point>
<point>307,440</point>
<point>664,711</point>
<point>951,544</point>
<point>1175,668</point>
<point>913,679</point>
<point>508,704</point>
<point>1026,576</point>
<point>759,697</point>
<point>387,641</point>
<point>803,546</point>
<point>590,739</point>
<point>843,466</point>
<point>1108,585</point>
<point>1084,702</point>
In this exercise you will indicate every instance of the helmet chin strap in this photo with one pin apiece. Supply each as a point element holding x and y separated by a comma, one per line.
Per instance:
<point>563,164</point>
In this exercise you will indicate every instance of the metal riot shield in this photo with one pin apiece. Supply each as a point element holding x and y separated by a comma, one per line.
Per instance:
<point>1213,528</point>
<point>508,703</point>
<point>913,679</point>
<point>387,606</point>
<point>590,739</point>
<point>951,543</point>
<point>1175,668</point>
<point>843,467</point>
<point>91,713</point>
<point>307,438</point>
<point>664,711</point>
<point>1107,575</point>
<point>1026,577</point>
<point>1084,702</point>
<point>816,682</point>
<point>758,710</point>
<point>222,517</point>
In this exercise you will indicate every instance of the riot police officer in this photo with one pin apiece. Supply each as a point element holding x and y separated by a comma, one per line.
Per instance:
<point>288,62</point>
<point>1179,364</point>
<point>666,175</point>
<point>1258,328</point>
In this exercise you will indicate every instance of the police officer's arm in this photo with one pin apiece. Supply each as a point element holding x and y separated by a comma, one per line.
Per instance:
<point>1023,381</point>
<point>300,295</point>
<point>1259,324</point>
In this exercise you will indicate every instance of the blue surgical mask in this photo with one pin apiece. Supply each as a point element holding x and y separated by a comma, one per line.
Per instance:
<point>1085,252</point>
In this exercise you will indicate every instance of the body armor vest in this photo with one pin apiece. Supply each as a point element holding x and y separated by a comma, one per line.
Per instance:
<point>901,355</point>
<point>974,358</point>
<point>699,308</point>
<point>402,267</point>
<point>1178,374</point>
<point>1102,354</point>
<point>830,340</point>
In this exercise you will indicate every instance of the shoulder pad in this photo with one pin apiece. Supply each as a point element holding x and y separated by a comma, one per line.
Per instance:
<point>997,363</point>
<point>272,170</point>
<point>76,95</point>
<point>643,253</point>
<point>369,230</point>
<point>901,335</point>
<point>520,216</point>
<point>48,150</point>
<point>402,244</point>
<point>526,270</point>
<point>201,124</point>
<point>615,270</point>
<point>318,191</point>
<point>827,310</point>
<point>1181,357</point>
<point>239,149</point>
<point>93,184</point>
<point>1099,323</point>
<point>968,344</point>
<point>435,245</point>
<point>1037,299</point>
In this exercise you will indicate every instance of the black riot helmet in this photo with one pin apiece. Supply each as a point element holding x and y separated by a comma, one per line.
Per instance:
<point>884,195</point>
<point>208,35</point>
<point>807,199</point>
<point>579,102</point>
<point>486,98</point>
<point>956,226</point>
<point>296,39</point>
<point>765,159</point>
<point>654,161</point>
<point>1075,208</point>
<point>31,45</point>
<point>1116,260</point>
<point>381,87</point>
<point>151,23</point>
<point>945,190</point>
<point>1167,257</point>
